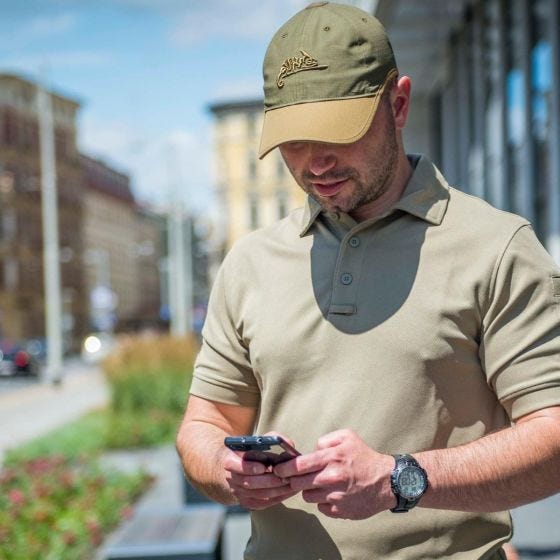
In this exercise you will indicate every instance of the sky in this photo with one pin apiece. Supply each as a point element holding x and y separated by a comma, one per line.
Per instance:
<point>145,72</point>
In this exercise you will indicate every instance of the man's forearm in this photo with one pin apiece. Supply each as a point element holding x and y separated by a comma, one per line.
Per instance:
<point>200,443</point>
<point>201,449</point>
<point>503,470</point>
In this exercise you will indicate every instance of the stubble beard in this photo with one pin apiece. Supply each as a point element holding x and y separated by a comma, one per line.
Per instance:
<point>377,179</point>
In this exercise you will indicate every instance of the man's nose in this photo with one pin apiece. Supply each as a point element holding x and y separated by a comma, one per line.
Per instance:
<point>321,159</point>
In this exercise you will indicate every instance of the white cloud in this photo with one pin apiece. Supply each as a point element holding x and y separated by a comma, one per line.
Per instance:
<point>47,26</point>
<point>57,60</point>
<point>25,30</point>
<point>231,19</point>
<point>203,21</point>
<point>157,165</point>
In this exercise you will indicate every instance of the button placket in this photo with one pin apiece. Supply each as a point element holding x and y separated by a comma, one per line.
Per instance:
<point>345,284</point>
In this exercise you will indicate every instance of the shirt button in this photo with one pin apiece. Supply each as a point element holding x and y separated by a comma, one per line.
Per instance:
<point>354,242</point>
<point>346,278</point>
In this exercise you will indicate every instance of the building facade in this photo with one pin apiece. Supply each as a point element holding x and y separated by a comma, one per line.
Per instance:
<point>486,98</point>
<point>252,193</point>
<point>21,240</point>
<point>110,248</point>
<point>122,251</point>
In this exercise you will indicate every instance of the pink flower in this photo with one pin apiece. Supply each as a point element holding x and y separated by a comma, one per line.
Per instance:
<point>16,497</point>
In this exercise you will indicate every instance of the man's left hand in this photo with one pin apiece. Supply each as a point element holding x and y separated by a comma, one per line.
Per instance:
<point>343,476</point>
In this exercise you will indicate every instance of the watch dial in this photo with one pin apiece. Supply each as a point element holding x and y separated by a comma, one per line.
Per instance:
<point>411,482</point>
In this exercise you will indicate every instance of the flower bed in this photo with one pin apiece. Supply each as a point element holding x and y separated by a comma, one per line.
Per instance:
<point>54,508</point>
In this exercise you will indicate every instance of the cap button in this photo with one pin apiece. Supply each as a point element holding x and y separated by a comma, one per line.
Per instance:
<point>316,5</point>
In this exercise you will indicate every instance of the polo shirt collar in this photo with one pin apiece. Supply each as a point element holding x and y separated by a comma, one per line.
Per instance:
<point>426,196</point>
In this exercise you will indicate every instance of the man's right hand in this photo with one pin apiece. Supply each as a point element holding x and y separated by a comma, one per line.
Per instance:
<point>253,483</point>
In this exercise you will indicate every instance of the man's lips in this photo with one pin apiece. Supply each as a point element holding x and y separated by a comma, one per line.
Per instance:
<point>328,188</point>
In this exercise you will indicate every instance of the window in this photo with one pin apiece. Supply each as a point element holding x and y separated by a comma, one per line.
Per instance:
<point>541,100</point>
<point>8,225</point>
<point>251,124</point>
<point>280,168</point>
<point>495,164</point>
<point>253,210</point>
<point>11,274</point>
<point>252,164</point>
<point>282,204</point>
<point>516,103</point>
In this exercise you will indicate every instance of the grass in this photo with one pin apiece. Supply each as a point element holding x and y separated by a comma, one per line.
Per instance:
<point>83,437</point>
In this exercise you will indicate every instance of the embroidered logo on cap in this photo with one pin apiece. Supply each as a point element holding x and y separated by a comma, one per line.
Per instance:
<point>296,64</point>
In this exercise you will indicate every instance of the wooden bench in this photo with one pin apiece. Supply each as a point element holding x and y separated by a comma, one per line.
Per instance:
<point>190,533</point>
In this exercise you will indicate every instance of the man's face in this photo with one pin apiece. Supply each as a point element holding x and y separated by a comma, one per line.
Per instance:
<point>348,177</point>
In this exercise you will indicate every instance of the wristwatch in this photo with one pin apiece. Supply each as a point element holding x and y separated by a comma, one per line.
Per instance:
<point>409,482</point>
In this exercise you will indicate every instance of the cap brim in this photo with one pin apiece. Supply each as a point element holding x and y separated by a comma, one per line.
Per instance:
<point>338,121</point>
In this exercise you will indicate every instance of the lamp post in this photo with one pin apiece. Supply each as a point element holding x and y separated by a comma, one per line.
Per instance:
<point>180,257</point>
<point>51,255</point>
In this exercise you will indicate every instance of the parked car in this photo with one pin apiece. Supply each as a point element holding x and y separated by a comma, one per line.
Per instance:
<point>17,358</point>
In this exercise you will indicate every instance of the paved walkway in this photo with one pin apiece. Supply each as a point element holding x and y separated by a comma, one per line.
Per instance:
<point>36,409</point>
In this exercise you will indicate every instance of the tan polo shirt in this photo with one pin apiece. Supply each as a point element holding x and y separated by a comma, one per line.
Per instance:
<point>422,329</point>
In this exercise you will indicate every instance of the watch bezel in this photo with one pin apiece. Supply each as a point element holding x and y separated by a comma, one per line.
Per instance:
<point>400,486</point>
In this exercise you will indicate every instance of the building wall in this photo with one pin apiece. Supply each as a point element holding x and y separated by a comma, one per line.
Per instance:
<point>105,239</point>
<point>492,117</point>
<point>21,240</point>
<point>252,193</point>
<point>109,241</point>
<point>122,250</point>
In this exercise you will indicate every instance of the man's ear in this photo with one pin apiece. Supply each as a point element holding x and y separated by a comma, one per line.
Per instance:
<point>400,101</point>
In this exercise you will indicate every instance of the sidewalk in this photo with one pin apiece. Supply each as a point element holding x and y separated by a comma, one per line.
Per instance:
<point>35,410</point>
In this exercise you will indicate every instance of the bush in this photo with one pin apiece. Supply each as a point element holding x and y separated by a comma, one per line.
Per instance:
<point>150,373</point>
<point>149,380</point>
<point>53,508</point>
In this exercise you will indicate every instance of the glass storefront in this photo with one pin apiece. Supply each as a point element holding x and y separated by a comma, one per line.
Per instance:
<point>507,150</point>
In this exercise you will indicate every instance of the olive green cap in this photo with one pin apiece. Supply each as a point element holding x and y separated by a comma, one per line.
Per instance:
<point>324,72</point>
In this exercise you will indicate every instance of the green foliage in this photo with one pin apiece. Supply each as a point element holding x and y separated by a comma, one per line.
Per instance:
<point>151,374</point>
<point>83,437</point>
<point>55,508</point>
<point>135,429</point>
<point>55,501</point>
<point>149,380</point>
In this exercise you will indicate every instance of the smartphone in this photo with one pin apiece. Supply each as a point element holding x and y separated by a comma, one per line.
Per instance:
<point>269,450</point>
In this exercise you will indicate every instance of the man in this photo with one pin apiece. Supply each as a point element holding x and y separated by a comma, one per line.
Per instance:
<point>403,335</point>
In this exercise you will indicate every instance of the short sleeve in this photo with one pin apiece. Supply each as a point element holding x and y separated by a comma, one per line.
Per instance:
<point>222,370</point>
<point>520,346</point>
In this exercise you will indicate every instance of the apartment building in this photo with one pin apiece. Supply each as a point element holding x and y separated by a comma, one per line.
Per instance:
<point>21,242</point>
<point>110,248</point>
<point>252,193</point>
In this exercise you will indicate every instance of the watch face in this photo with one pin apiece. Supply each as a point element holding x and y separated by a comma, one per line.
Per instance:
<point>411,482</point>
